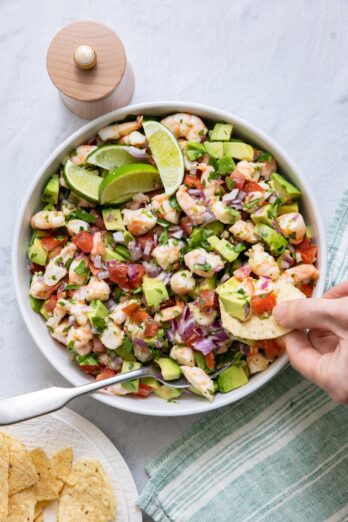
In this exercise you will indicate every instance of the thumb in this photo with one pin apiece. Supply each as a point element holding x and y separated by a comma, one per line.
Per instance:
<point>308,313</point>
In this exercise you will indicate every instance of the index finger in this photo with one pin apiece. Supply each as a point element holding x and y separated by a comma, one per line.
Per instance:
<point>303,357</point>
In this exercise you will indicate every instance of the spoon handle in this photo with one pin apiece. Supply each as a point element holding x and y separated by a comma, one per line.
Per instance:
<point>34,404</point>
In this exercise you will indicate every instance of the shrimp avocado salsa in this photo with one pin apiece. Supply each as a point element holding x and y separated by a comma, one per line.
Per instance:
<point>169,242</point>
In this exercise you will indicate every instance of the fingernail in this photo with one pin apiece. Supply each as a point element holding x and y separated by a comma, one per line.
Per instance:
<point>279,312</point>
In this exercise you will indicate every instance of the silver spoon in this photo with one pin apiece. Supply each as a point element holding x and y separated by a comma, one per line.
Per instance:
<point>34,404</point>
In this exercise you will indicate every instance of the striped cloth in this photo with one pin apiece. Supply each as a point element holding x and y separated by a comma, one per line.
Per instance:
<point>280,455</point>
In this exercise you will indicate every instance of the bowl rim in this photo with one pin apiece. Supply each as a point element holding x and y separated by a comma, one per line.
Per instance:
<point>135,406</point>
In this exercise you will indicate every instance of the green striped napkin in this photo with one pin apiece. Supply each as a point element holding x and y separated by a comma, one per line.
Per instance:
<point>279,455</point>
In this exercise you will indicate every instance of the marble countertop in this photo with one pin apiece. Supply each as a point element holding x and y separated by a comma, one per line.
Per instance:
<point>280,65</point>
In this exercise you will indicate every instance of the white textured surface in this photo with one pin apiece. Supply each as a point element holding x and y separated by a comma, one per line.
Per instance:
<point>280,65</point>
<point>66,428</point>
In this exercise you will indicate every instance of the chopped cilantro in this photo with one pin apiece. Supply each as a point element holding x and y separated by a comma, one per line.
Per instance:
<point>81,268</point>
<point>163,238</point>
<point>81,214</point>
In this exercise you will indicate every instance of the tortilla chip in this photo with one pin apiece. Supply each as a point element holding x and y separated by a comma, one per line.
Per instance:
<point>45,488</point>
<point>257,328</point>
<point>40,517</point>
<point>88,496</point>
<point>39,507</point>
<point>21,507</point>
<point>22,473</point>
<point>4,468</point>
<point>61,463</point>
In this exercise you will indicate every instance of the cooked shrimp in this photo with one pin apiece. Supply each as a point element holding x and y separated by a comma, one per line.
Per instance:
<point>60,311</point>
<point>135,139</point>
<point>202,317</point>
<point>210,184</point>
<point>182,282</point>
<point>262,263</point>
<point>186,126</point>
<point>79,336</point>
<point>60,333</point>
<point>56,268</point>
<point>167,255</point>
<point>117,314</point>
<point>97,289</point>
<point>199,380</point>
<point>134,329</point>
<point>118,130</point>
<point>39,289</point>
<point>79,271</point>
<point>139,221</point>
<point>223,212</point>
<point>80,155</point>
<point>112,337</point>
<point>183,355</point>
<point>292,226</point>
<point>74,226</point>
<point>191,166</point>
<point>137,201</point>
<point>244,230</point>
<point>300,274</point>
<point>48,219</point>
<point>98,247</point>
<point>257,362</point>
<point>203,263</point>
<point>192,208</point>
<point>161,205</point>
<point>248,169</point>
<point>168,314</point>
<point>267,168</point>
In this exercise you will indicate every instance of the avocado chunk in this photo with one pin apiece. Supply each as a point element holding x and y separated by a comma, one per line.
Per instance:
<point>195,150</point>
<point>221,132</point>
<point>169,368</point>
<point>234,299</point>
<point>200,361</point>
<point>215,227</point>
<point>225,165</point>
<point>155,291</point>
<point>225,249</point>
<point>133,385</point>
<point>285,191</point>
<point>287,209</point>
<point>150,381</point>
<point>98,314</point>
<point>51,191</point>
<point>125,351</point>
<point>265,214</point>
<point>43,311</point>
<point>37,253</point>
<point>215,149</point>
<point>166,393</point>
<point>204,284</point>
<point>111,254</point>
<point>35,303</point>
<point>276,242</point>
<point>113,219</point>
<point>239,150</point>
<point>231,378</point>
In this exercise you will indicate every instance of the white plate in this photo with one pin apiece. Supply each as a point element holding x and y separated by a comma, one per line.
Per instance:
<point>55,352</point>
<point>67,428</point>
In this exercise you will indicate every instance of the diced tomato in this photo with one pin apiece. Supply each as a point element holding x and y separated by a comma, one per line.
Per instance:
<point>186,225</point>
<point>238,178</point>
<point>308,255</point>
<point>242,272</point>
<point>131,308</point>
<point>105,374</point>
<point>118,273</point>
<point>51,242</point>
<point>192,182</point>
<point>152,328</point>
<point>270,347</point>
<point>136,275</point>
<point>307,289</point>
<point>91,369</point>
<point>206,299</point>
<point>51,303</point>
<point>251,186</point>
<point>210,360</point>
<point>145,238</point>
<point>83,241</point>
<point>140,316</point>
<point>305,244</point>
<point>144,390</point>
<point>262,304</point>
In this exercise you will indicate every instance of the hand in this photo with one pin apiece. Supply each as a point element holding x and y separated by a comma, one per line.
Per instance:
<point>322,354</point>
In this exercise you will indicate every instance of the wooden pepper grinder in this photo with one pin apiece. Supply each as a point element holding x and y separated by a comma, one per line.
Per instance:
<point>87,63</point>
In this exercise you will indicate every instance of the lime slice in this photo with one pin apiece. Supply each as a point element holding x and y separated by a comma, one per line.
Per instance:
<point>167,153</point>
<point>122,183</point>
<point>112,156</point>
<point>82,181</point>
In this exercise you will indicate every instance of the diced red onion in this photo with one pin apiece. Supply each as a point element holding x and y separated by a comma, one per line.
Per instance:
<point>242,272</point>
<point>118,237</point>
<point>132,271</point>
<point>178,234</point>
<point>92,141</point>
<point>110,304</point>
<point>241,195</point>
<point>273,199</point>
<point>137,153</point>
<point>139,342</point>
<point>164,277</point>
<point>135,250</point>
<point>291,248</point>
<point>298,257</point>
<point>71,319</point>
<point>103,275</point>
<point>147,248</point>
<point>115,364</point>
<point>264,283</point>
<point>61,287</point>
<point>204,345</point>
<point>151,269</point>
<point>231,196</point>
<point>97,261</point>
<point>288,259</point>
<point>225,278</point>
<point>194,192</point>
<point>284,264</point>
<point>208,216</point>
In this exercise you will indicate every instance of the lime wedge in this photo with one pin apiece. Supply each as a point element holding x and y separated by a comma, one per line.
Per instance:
<point>122,183</point>
<point>112,156</point>
<point>167,153</point>
<point>82,181</point>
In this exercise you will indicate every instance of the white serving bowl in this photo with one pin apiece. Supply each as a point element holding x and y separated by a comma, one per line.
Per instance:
<point>55,352</point>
